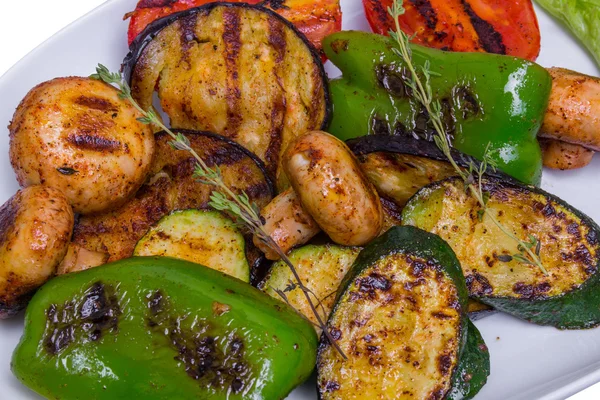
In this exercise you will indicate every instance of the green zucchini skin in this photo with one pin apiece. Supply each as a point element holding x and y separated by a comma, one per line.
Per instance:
<point>471,358</point>
<point>473,368</point>
<point>574,300</point>
<point>160,328</point>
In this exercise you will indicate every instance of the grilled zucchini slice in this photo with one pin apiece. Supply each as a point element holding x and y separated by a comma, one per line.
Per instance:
<point>208,238</point>
<point>401,321</point>
<point>321,268</point>
<point>568,297</point>
<point>239,70</point>
<point>398,166</point>
<point>173,187</point>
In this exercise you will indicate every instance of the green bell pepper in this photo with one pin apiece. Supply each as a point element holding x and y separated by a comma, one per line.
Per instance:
<point>485,99</point>
<point>160,328</point>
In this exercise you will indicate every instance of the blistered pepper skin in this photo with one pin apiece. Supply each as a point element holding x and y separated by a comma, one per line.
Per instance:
<point>160,328</point>
<point>484,98</point>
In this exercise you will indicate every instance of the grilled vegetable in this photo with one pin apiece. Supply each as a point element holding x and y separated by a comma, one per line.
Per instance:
<point>566,240</point>
<point>477,93</point>
<point>35,227</point>
<point>398,166</point>
<point>563,155</point>
<point>493,26</point>
<point>173,187</point>
<point>158,328</point>
<point>321,268</point>
<point>234,69</point>
<point>401,320</point>
<point>203,237</point>
<point>78,136</point>
<point>314,18</point>
<point>572,112</point>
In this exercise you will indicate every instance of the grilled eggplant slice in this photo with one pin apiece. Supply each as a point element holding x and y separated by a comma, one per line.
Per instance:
<point>321,268</point>
<point>239,70</point>
<point>568,297</point>
<point>398,166</point>
<point>208,238</point>
<point>173,187</point>
<point>401,321</point>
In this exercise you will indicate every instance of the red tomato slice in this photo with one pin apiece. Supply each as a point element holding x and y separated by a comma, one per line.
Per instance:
<point>315,18</point>
<point>493,26</point>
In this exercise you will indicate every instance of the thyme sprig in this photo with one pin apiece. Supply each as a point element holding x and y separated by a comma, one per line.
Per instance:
<point>420,83</point>
<point>221,199</point>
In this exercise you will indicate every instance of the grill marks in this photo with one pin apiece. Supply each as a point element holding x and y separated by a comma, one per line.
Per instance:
<point>232,46</point>
<point>279,45</point>
<point>427,11</point>
<point>489,38</point>
<point>89,141</point>
<point>187,32</point>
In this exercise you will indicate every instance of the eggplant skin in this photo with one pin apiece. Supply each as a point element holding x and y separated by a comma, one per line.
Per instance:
<point>173,187</point>
<point>567,298</point>
<point>239,70</point>
<point>35,228</point>
<point>398,166</point>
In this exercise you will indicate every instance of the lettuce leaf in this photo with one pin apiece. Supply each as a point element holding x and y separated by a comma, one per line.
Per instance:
<point>582,17</point>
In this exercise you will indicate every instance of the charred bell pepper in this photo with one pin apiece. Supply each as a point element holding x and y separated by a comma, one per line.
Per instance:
<point>160,328</point>
<point>485,98</point>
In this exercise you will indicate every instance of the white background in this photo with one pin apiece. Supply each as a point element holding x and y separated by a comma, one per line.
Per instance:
<point>25,24</point>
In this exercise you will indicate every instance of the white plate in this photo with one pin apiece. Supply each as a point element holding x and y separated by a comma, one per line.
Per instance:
<point>528,362</point>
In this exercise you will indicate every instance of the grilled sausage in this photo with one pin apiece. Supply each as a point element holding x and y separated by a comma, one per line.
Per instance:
<point>327,178</point>
<point>287,223</point>
<point>573,114</point>
<point>35,228</point>
<point>77,135</point>
<point>563,156</point>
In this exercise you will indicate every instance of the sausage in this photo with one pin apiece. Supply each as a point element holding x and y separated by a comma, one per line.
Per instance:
<point>573,113</point>
<point>78,136</point>
<point>287,223</point>
<point>35,228</point>
<point>563,156</point>
<point>332,189</point>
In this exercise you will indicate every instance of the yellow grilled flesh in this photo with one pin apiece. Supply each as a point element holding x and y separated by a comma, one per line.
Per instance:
<point>567,250</point>
<point>399,325</point>
<point>236,71</point>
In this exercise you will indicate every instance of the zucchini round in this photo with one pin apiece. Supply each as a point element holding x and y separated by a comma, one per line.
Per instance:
<point>208,238</point>
<point>173,187</point>
<point>568,297</point>
<point>321,268</point>
<point>239,70</point>
<point>400,319</point>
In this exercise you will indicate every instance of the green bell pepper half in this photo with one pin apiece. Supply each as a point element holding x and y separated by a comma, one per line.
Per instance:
<point>486,99</point>
<point>160,328</point>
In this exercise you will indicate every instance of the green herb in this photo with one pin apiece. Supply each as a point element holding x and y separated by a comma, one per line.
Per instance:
<point>223,198</point>
<point>419,82</point>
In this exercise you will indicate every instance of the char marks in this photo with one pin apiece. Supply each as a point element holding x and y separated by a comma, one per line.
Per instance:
<point>489,38</point>
<point>279,44</point>
<point>87,141</point>
<point>188,38</point>
<point>96,103</point>
<point>427,11</point>
<point>233,44</point>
